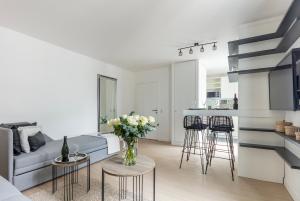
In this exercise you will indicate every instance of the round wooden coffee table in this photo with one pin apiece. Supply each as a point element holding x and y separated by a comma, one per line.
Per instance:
<point>115,167</point>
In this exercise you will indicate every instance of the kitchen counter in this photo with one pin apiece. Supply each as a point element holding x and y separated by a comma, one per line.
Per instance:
<point>212,112</point>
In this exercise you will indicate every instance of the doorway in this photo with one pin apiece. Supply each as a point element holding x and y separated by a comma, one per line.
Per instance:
<point>147,103</point>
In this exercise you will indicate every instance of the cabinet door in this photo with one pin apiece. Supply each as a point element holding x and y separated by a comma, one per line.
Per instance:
<point>185,94</point>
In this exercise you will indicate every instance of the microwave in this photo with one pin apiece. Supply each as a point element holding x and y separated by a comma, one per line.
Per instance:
<point>213,94</point>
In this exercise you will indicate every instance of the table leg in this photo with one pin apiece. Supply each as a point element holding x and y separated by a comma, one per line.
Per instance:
<point>142,187</point>
<point>88,175</point>
<point>54,179</point>
<point>122,187</point>
<point>102,185</point>
<point>70,184</point>
<point>154,184</point>
<point>72,180</point>
<point>65,185</point>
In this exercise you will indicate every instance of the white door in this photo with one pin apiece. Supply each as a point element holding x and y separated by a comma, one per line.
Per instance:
<point>185,87</point>
<point>147,103</point>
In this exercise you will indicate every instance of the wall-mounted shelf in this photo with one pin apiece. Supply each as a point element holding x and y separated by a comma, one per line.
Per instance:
<point>233,75</point>
<point>288,39</point>
<point>285,154</point>
<point>289,138</point>
<point>291,15</point>
<point>255,54</point>
<point>257,129</point>
<point>288,30</point>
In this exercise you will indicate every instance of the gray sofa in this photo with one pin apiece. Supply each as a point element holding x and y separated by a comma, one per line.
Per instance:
<point>9,193</point>
<point>30,169</point>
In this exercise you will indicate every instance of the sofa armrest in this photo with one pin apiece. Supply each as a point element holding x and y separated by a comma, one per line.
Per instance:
<point>6,153</point>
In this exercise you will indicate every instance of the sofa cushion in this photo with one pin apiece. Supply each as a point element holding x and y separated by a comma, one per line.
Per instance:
<point>44,156</point>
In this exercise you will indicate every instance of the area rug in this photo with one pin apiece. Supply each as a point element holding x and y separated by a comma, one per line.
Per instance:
<point>44,193</point>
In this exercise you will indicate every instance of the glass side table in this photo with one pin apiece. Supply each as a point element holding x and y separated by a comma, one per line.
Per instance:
<point>70,173</point>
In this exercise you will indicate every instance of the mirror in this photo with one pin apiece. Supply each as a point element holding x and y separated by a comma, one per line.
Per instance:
<point>107,105</point>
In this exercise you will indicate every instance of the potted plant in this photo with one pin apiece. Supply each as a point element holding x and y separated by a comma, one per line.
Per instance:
<point>130,128</point>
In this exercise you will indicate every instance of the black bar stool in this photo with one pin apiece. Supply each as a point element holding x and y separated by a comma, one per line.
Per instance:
<point>194,139</point>
<point>218,125</point>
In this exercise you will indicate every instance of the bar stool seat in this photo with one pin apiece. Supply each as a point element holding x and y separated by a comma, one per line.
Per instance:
<point>222,128</point>
<point>197,126</point>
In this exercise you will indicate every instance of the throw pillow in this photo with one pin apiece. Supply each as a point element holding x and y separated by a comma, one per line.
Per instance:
<point>36,141</point>
<point>25,132</point>
<point>16,138</point>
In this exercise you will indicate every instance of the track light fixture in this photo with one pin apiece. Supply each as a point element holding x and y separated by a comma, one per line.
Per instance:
<point>214,47</point>
<point>202,49</point>
<point>180,53</point>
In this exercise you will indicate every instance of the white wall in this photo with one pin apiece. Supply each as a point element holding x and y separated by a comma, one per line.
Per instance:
<point>54,86</point>
<point>228,89</point>
<point>162,77</point>
<point>202,82</point>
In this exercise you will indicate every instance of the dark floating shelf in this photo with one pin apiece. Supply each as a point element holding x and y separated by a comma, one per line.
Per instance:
<point>288,39</point>
<point>289,138</point>
<point>285,154</point>
<point>288,30</point>
<point>256,54</point>
<point>292,13</point>
<point>256,129</point>
<point>260,70</point>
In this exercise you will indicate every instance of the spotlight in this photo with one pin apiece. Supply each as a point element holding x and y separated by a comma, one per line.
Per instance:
<point>180,53</point>
<point>191,51</point>
<point>214,47</point>
<point>202,49</point>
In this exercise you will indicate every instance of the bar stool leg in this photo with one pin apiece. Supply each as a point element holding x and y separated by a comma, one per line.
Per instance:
<point>191,137</point>
<point>184,147</point>
<point>232,149</point>
<point>230,155</point>
<point>209,150</point>
<point>201,148</point>
<point>195,140</point>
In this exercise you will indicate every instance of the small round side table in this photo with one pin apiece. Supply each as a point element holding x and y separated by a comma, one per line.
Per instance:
<point>115,167</point>
<point>70,173</point>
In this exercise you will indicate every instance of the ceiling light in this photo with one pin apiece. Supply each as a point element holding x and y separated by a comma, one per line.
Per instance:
<point>202,49</point>
<point>180,53</point>
<point>213,43</point>
<point>214,47</point>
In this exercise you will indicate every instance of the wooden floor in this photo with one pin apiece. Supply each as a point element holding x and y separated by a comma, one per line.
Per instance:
<point>188,184</point>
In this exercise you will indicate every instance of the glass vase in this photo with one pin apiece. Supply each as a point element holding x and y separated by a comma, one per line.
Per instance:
<point>130,155</point>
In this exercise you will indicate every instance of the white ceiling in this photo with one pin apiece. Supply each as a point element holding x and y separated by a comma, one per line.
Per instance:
<point>138,34</point>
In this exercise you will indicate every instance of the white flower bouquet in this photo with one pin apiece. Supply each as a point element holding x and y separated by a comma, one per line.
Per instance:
<point>130,128</point>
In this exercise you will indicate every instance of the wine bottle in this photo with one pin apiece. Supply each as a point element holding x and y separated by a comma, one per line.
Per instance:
<point>235,102</point>
<point>65,150</point>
